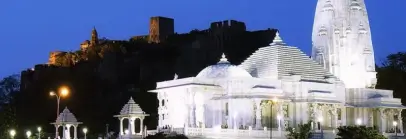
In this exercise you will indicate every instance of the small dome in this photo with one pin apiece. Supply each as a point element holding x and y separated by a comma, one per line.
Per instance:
<point>337,31</point>
<point>362,30</point>
<point>223,69</point>
<point>323,30</point>
<point>66,116</point>
<point>355,5</point>
<point>131,108</point>
<point>328,6</point>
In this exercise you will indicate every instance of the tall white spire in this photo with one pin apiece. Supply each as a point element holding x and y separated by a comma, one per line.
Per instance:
<point>342,41</point>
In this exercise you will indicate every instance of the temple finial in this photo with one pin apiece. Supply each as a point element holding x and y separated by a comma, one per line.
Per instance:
<point>223,59</point>
<point>277,39</point>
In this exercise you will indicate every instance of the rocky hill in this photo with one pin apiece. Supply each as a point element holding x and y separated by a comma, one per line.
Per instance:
<point>103,76</point>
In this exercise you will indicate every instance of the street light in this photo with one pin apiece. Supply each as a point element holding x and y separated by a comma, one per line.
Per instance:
<point>12,133</point>
<point>359,122</point>
<point>274,100</point>
<point>395,124</point>
<point>39,132</point>
<point>85,131</point>
<point>63,92</point>
<point>28,133</point>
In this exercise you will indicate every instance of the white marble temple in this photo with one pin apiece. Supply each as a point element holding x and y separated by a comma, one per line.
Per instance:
<point>279,86</point>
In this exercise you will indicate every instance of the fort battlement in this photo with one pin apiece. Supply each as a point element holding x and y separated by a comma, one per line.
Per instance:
<point>228,24</point>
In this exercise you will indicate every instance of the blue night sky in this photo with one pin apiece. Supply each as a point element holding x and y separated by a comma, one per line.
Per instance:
<point>30,29</point>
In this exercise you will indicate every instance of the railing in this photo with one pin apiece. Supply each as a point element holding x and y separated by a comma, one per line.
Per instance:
<point>238,133</point>
<point>213,132</point>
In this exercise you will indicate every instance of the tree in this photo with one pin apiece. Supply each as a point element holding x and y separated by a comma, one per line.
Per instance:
<point>392,74</point>
<point>302,132</point>
<point>359,132</point>
<point>9,87</point>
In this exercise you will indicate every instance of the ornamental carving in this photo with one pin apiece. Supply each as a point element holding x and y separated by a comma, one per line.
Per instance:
<point>382,112</point>
<point>285,111</point>
<point>312,110</point>
<point>332,109</point>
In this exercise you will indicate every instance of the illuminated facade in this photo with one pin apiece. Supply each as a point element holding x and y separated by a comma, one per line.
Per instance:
<point>226,100</point>
<point>342,42</point>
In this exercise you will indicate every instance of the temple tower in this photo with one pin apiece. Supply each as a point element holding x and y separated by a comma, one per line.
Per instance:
<point>342,42</point>
<point>160,28</point>
<point>95,38</point>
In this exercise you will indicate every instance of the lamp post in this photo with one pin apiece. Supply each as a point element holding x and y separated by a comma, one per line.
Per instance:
<point>395,124</point>
<point>28,133</point>
<point>12,133</point>
<point>63,91</point>
<point>274,100</point>
<point>39,132</point>
<point>85,131</point>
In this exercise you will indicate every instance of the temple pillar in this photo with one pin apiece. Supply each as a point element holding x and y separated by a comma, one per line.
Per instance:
<point>334,115</point>
<point>319,115</point>
<point>213,113</point>
<point>121,126</point>
<point>203,107</point>
<point>67,131</point>
<point>383,120</point>
<point>132,126</point>
<point>280,117</point>
<point>343,111</point>
<point>63,132</point>
<point>193,111</point>
<point>160,120</point>
<point>56,131</point>
<point>312,112</point>
<point>160,111</point>
<point>400,121</point>
<point>75,131</point>
<point>141,124</point>
<point>220,113</point>
<point>258,124</point>
<point>371,117</point>
<point>335,120</point>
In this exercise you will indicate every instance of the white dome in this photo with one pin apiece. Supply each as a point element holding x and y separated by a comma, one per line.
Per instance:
<point>223,69</point>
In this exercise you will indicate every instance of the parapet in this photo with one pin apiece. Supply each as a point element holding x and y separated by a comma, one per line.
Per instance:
<point>229,24</point>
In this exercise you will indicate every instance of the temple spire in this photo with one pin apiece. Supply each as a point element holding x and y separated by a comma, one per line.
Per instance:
<point>95,37</point>
<point>342,42</point>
